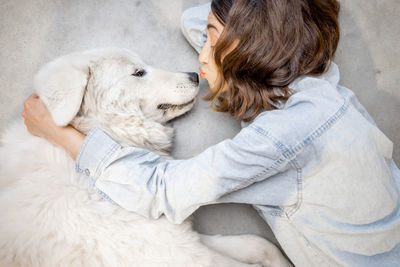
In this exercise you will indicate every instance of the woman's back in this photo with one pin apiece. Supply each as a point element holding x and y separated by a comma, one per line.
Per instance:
<point>335,197</point>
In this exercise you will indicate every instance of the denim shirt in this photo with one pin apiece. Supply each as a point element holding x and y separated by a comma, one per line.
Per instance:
<point>318,170</point>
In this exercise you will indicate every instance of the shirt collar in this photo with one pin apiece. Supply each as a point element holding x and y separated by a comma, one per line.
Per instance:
<point>332,75</point>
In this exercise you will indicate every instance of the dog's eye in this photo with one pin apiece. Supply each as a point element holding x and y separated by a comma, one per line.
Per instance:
<point>139,73</point>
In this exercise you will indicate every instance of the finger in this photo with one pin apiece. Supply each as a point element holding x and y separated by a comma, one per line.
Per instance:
<point>26,102</point>
<point>30,100</point>
<point>32,96</point>
<point>29,97</point>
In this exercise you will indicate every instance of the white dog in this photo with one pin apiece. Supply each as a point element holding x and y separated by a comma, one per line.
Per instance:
<point>50,216</point>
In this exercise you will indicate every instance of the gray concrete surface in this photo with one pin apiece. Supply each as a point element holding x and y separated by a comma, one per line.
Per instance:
<point>34,32</point>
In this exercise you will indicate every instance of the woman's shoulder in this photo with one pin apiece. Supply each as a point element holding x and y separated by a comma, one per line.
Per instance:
<point>315,105</point>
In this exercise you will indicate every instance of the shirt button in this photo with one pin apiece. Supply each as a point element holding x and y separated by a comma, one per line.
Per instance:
<point>87,172</point>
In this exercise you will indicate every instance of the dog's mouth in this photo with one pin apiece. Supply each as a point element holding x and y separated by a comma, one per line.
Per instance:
<point>171,106</point>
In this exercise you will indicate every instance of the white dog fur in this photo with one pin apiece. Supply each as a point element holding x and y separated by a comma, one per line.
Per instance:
<point>50,216</point>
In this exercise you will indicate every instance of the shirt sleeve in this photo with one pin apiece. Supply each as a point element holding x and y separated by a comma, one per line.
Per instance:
<point>141,181</point>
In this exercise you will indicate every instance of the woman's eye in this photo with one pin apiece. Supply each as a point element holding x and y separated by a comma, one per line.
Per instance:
<point>139,73</point>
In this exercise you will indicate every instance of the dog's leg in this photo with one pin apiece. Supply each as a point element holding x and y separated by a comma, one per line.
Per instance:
<point>247,248</point>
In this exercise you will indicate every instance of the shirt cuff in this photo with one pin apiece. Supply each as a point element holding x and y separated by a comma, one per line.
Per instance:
<point>96,149</point>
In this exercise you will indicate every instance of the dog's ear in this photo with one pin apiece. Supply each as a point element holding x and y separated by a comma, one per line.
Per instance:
<point>61,85</point>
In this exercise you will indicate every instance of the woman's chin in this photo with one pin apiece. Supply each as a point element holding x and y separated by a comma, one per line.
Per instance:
<point>211,84</point>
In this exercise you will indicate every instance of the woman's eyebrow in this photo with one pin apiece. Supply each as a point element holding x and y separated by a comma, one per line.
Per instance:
<point>209,26</point>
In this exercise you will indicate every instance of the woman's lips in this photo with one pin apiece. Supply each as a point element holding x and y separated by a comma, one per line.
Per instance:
<point>202,73</point>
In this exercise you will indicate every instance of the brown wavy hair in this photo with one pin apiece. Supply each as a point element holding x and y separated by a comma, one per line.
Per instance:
<point>277,41</point>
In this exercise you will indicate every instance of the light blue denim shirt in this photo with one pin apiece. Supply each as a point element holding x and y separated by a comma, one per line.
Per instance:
<point>318,170</point>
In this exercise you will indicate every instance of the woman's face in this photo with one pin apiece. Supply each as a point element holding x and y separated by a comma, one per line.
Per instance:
<point>209,69</point>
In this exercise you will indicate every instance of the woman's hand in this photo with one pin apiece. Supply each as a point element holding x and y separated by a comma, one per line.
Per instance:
<point>39,122</point>
<point>38,119</point>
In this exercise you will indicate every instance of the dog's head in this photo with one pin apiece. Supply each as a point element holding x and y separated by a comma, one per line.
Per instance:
<point>114,89</point>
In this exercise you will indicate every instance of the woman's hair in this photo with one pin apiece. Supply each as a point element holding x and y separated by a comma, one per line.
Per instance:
<point>276,42</point>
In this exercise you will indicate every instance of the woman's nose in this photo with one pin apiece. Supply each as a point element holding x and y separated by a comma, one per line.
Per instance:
<point>203,55</point>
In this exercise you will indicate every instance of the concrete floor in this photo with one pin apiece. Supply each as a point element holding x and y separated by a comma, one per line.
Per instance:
<point>34,32</point>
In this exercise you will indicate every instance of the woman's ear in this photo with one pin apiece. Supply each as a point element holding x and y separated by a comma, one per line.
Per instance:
<point>61,85</point>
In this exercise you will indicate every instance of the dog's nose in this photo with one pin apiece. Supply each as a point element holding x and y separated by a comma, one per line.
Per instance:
<point>193,77</point>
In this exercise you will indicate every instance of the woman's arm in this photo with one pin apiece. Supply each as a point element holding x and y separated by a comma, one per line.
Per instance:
<point>39,122</point>
<point>143,182</point>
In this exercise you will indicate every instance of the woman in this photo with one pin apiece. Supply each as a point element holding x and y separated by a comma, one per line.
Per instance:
<point>309,157</point>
